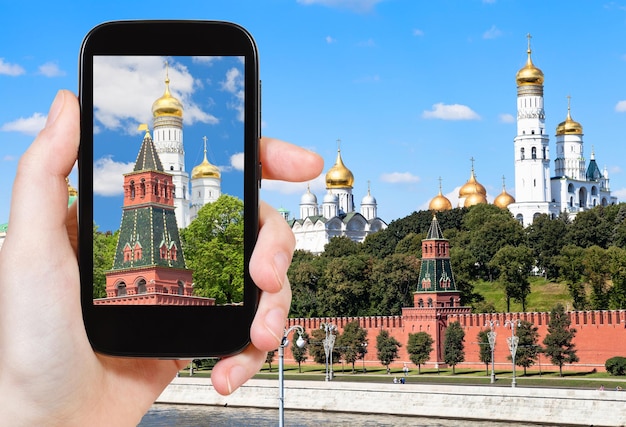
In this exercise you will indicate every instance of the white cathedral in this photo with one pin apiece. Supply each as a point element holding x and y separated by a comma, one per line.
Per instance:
<point>205,184</point>
<point>336,216</point>
<point>576,185</point>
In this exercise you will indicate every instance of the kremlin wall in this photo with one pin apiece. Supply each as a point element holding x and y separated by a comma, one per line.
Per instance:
<point>600,335</point>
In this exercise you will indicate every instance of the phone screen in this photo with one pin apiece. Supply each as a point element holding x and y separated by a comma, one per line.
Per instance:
<point>168,180</point>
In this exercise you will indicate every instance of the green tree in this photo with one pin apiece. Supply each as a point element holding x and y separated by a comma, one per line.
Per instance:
<point>352,342</point>
<point>589,228</point>
<point>103,254</point>
<point>393,281</point>
<point>419,347</point>
<point>345,289</point>
<point>453,345</point>
<point>387,348</point>
<point>546,238</point>
<point>596,273</point>
<point>570,263</point>
<point>484,349</point>
<point>213,247</point>
<point>269,358</point>
<point>527,348</point>
<point>304,275</point>
<point>617,269</point>
<point>299,353</point>
<point>513,265</point>
<point>340,246</point>
<point>559,346</point>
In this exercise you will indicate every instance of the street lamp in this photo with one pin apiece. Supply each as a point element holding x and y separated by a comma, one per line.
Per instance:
<point>513,340</point>
<point>329,343</point>
<point>281,356</point>
<point>491,335</point>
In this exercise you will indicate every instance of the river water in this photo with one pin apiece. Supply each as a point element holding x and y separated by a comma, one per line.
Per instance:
<point>162,415</point>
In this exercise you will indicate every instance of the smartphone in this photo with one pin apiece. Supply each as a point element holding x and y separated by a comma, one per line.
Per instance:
<point>169,176</point>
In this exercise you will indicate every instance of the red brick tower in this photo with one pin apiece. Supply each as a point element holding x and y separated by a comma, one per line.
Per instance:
<point>149,266</point>
<point>437,295</point>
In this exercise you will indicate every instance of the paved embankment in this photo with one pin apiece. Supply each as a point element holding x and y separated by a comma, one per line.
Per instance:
<point>529,405</point>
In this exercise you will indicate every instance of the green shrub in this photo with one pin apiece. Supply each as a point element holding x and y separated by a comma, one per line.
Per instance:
<point>616,365</point>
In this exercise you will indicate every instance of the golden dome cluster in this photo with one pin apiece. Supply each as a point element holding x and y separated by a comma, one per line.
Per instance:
<point>529,74</point>
<point>339,176</point>
<point>440,203</point>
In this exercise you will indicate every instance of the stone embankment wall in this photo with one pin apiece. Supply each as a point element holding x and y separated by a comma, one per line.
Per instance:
<point>560,407</point>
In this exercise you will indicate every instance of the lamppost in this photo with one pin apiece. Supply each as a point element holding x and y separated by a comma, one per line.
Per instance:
<point>364,345</point>
<point>513,340</point>
<point>329,343</point>
<point>281,356</point>
<point>491,336</point>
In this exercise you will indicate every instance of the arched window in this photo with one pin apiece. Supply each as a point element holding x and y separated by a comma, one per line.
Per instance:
<point>141,287</point>
<point>430,302</point>
<point>420,303</point>
<point>156,187</point>
<point>142,187</point>
<point>181,288</point>
<point>534,153</point>
<point>132,189</point>
<point>522,156</point>
<point>121,289</point>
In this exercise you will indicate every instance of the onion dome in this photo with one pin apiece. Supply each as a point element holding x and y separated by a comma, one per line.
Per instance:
<point>440,202</point>
<point>331,198</point>
<point>569,126</point>
<point>504,199</point>
<point>475,199</point>
<point>529,74</point>
<point>472,187</point>
<point>308,198</point>
<point>205,169</point>
<point>368,199</point>
<point>167,105</point>
<point>339,176</point>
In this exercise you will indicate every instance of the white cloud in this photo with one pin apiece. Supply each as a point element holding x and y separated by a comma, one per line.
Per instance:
<point>234,84</point>
<point>621,107</point>
<point>10,69</point>
<point>399,177</point>
<point>125,85</point>
<point>207,60</point>
<point>367,43</point>
<point>418,33</point>
<point>492,33</point>
<point>620,194</point>
<point>354,5</point>
<point>506,118</point>
<point>330,40</point>
<point>451,112</point>
<point>9,158</point>
<point>51,69</point>
<point>26,125</point>
<point>237,161</point>
<point>108,176</point>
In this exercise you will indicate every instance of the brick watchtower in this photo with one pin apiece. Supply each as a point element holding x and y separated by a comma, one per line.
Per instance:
<point>437,295</point>
<point>149,266</point>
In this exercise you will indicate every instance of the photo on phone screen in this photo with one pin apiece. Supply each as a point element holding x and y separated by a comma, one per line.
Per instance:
<point>168,180</point>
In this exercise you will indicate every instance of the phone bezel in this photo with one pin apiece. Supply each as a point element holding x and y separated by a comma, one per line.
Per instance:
<point>168,331</point>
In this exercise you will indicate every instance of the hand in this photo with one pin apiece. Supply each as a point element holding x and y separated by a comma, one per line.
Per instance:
<point>49,374</point>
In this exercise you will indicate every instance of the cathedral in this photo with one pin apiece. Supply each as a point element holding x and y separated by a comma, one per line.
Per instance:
<point>336,216</point>
<point>575,185</point>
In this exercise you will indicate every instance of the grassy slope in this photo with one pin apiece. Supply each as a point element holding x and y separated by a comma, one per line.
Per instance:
<point>543,296</point>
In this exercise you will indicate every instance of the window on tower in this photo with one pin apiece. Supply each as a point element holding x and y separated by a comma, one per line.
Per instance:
<point>534,152</point>
<point>522,156</point>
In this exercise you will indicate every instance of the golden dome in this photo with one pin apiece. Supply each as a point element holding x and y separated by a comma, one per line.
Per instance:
<point>569,126</point>
<point>472,187</point>
<point>71,191</point>
<point>167,105</point>
<point>205,169</point>
<point>475,199</point>
<point>440,202</point>
<point>339,176</point>
<point>529,74</point>
<point>504,199</point>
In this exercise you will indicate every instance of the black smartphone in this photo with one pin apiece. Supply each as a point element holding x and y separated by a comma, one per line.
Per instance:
<point>167,224</point>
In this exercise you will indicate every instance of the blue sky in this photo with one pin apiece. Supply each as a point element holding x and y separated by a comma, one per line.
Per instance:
<point>413,89</point>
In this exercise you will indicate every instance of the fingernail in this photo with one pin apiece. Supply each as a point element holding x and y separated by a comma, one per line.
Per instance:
<point>236,377</point>
<point>275,321</point>
<point>55,108</point>
<point>281,264</point>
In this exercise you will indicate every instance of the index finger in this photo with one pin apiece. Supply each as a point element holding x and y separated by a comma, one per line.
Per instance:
<point>288,162</point>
